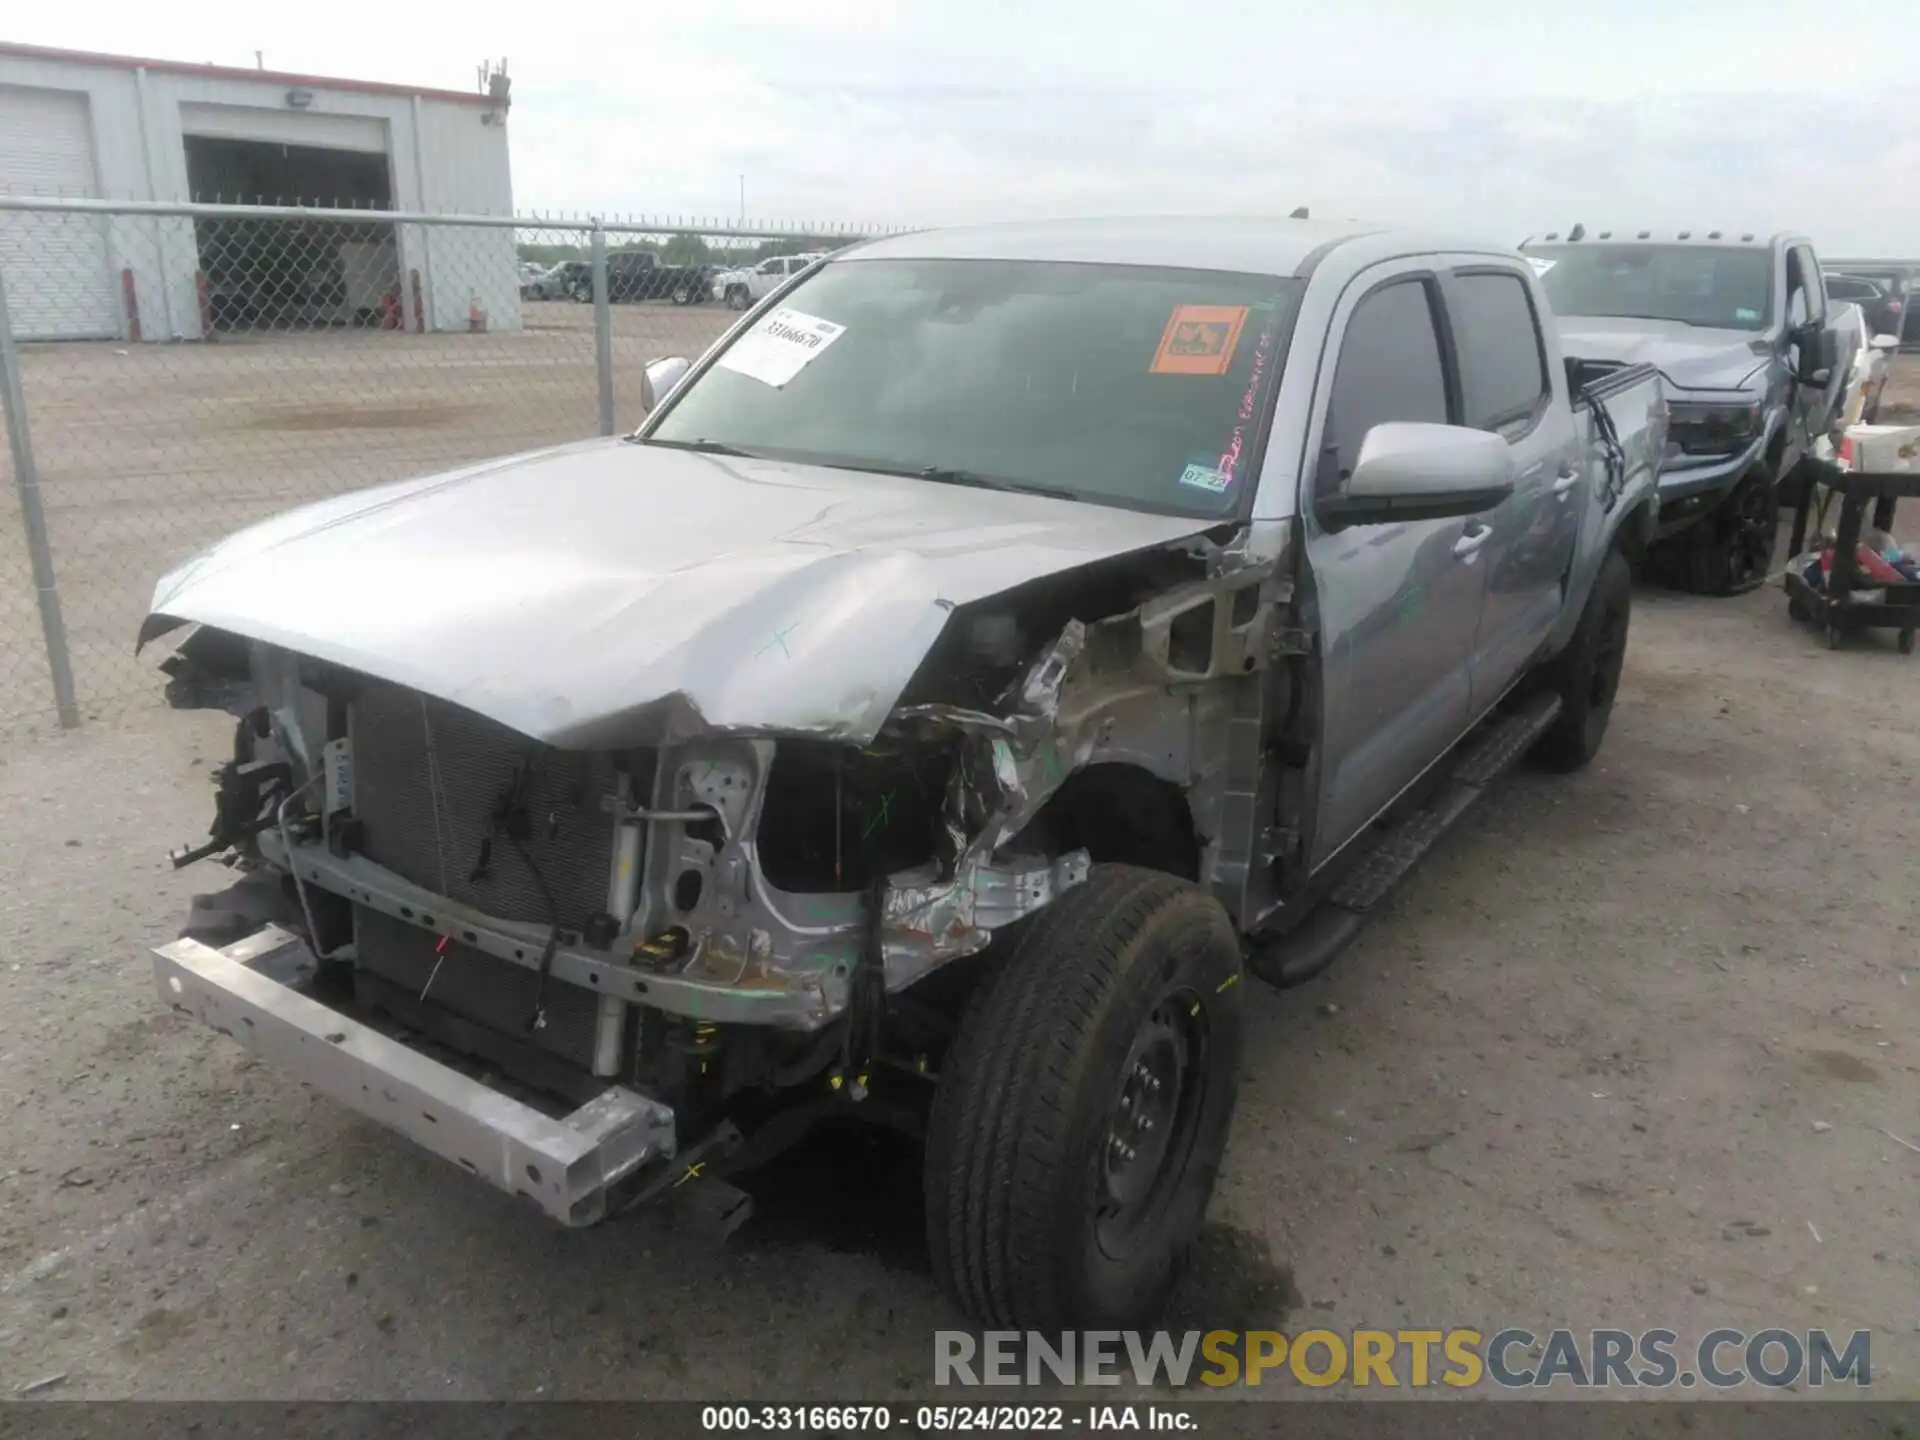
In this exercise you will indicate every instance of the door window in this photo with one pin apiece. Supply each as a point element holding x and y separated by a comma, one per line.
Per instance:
<point>1503,365</point>
<point>1389,369</point>
<point>1805,301</point>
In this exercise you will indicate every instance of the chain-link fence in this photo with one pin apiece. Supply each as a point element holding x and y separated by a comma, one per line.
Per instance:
<point>171,373</point>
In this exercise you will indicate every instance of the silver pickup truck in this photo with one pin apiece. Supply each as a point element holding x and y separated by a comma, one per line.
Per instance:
<point>1745,341</point>
<point>995,647</point>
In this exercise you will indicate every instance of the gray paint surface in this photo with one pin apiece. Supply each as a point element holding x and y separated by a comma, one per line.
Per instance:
<point>1689,356</point>
<point>608,593</point>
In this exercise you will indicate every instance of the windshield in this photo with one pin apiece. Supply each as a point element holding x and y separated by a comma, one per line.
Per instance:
<point>1726,287</point>
<point>1123,385</point>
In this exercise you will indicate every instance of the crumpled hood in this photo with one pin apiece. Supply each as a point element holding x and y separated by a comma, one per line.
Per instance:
<point>607,593</point>
<point>1689,357</point>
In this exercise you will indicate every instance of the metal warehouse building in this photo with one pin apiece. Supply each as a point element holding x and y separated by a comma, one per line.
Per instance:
<point>109,126</point>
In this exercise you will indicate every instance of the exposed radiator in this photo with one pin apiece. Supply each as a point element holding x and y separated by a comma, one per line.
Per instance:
<point>480,764</point>
<point>482,768</point>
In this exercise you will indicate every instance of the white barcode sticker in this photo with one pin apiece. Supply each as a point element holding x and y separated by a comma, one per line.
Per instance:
<point>781,346</point>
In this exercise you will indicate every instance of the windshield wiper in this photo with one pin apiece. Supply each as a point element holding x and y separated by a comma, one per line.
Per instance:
<point>701,447</point>
<point>947,475</point>
<point>942,475</point>
<point>1669,319</point>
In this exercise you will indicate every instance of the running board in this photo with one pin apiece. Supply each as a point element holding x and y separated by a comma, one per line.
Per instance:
<point>1482,758</point>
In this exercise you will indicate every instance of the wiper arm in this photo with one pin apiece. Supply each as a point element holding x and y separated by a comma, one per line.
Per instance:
<point>943,475</point>
<point>700,447</point>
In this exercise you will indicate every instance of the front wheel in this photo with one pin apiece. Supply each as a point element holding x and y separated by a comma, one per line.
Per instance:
<point>736,297</point>
<point>1728,553</point>
<point>1587,673</point>
<point>1083,1109</point>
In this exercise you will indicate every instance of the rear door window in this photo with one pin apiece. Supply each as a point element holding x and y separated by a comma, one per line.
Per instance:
<point>1390,368</point>
<point>1503,364</point>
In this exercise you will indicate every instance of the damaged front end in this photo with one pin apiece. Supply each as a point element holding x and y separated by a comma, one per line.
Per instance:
<point>668,949</point>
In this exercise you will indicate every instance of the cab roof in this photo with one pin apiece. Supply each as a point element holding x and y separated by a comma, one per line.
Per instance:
<point>1241,244</point>
<point>1634,235</point>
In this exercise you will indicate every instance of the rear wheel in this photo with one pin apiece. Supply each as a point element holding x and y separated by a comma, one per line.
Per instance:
<point>1083,1109</point>
<point>1587,673</point>
<point>736,297</point>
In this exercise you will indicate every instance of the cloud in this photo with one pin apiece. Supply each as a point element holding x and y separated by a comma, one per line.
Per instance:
<point>1481,116</point>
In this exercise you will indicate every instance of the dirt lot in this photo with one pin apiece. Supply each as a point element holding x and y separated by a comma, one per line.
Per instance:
<point>1625,1052</point>
<point>149,452</point>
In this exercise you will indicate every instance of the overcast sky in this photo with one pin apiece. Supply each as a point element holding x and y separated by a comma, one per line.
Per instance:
<point>1487,117</point>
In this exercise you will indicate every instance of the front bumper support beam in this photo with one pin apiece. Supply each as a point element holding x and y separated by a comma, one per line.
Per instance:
<point>566,1165</point>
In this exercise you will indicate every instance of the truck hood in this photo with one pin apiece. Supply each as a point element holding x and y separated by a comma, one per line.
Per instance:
<point>608,593</point>
<point>1690,357</point>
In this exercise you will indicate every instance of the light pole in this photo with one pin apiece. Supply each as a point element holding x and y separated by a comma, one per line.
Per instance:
<point>743,201</point>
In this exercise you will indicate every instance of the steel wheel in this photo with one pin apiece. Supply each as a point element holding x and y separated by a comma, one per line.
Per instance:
<point>1150,1132</point>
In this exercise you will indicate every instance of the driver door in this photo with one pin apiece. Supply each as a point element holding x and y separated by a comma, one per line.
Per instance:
<point>1399,604</point>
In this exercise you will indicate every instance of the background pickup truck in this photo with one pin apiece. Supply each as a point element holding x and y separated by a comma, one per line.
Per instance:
<point>741,288</point>
<point>640,275</point>
<point>977,663</point>
<point>1738,327</point>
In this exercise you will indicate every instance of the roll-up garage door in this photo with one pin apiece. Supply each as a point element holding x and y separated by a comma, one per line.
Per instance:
<point>59,277</point>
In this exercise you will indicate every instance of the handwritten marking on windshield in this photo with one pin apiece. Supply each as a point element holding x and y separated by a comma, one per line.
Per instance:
<point>780,639</point>
<point>1230,457</point>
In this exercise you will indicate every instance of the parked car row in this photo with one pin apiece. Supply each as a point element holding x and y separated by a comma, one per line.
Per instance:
<point>641,275</point>
<point>1882,298</point>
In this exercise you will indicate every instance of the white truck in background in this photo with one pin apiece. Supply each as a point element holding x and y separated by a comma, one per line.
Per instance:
<point>745,287</point>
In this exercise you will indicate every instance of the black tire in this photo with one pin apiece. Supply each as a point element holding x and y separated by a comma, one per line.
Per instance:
<point>1729,552</point>
<point>1083,1108</point>
<point>582,293</point>
<point>1587,673</point>
<point>737,296</point>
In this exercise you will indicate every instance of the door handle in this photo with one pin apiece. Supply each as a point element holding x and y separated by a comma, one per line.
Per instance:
<point>1566,480</point>
<point>1468,545</point>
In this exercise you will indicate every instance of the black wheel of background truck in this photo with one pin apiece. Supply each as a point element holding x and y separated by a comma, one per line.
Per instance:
<point>736,297</point>
<point>1587,673</point>
<point>1083,1109</point>
<point>581,292</point>
<point>1728,553</point>
<point>683,293</point>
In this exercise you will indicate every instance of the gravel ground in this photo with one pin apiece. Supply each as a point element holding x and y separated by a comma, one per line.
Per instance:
<point>1624,1052</point>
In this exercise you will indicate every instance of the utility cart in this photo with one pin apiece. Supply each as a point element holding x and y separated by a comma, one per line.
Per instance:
<point>1839,605</point>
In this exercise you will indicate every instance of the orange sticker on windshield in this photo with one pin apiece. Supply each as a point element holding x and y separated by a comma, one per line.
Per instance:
<point>1199,340</point>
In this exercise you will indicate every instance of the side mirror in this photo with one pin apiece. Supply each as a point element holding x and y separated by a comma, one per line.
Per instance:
<point>1409,471</point>
<point>1819,351</point>
<point>1885,342</point>
<point>659,378</point>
